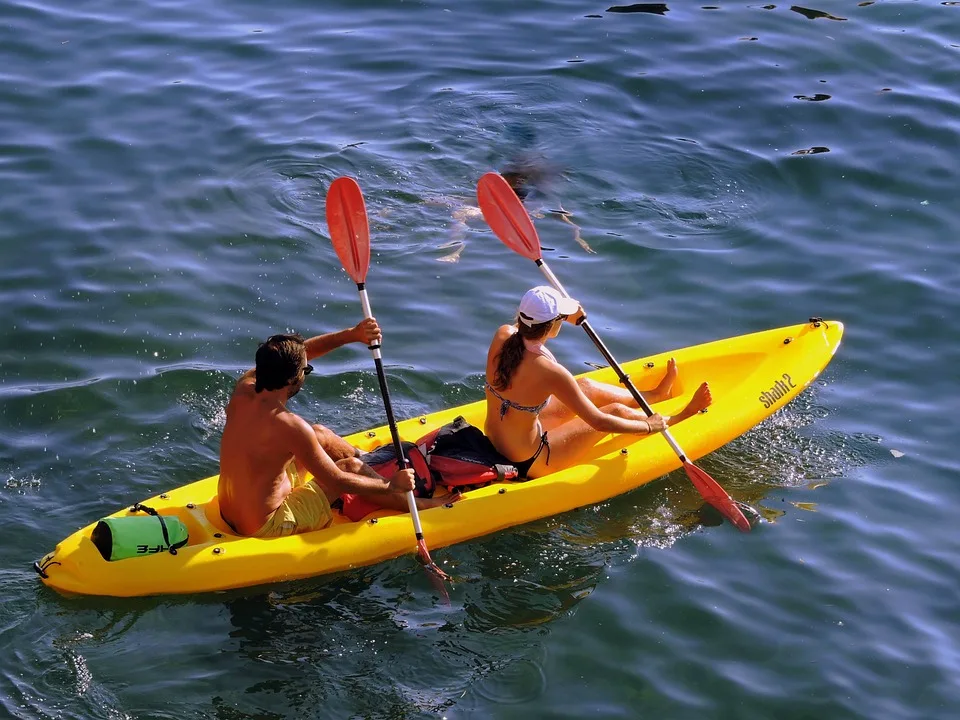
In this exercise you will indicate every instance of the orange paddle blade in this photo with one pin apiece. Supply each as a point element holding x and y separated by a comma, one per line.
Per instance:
<point>716,496</point>
<point>424,556</point>
<point>349,230</point>
<point>507,216</point>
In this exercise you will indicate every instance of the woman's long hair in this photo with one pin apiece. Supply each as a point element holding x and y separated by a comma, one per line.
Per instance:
<point>511,352</point>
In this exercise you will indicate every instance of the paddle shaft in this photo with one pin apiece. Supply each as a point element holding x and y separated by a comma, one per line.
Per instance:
<point>388,408</point>
<point>624,378</point>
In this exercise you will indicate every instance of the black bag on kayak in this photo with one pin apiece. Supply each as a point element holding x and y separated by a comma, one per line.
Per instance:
<point>462,458</point>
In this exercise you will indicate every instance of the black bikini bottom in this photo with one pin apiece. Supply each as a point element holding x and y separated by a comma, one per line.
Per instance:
<point>524,467</point>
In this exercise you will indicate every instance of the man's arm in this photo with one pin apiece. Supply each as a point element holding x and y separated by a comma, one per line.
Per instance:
<point>366,331</point>
<point>306,448</point>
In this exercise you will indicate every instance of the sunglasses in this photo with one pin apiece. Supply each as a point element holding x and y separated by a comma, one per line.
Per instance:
<point>307,370</point>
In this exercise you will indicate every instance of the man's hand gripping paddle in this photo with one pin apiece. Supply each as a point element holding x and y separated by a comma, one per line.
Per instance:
<point>350,234</point>
<point>510,222</point>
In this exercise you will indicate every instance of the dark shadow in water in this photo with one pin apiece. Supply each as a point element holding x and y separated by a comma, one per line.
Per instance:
<point>819,97</point>
<point>814,14</point>
<point>650,8</point>
<point>815,150</point>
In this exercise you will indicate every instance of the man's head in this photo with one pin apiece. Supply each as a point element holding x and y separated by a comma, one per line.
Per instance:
<point>282,362</point>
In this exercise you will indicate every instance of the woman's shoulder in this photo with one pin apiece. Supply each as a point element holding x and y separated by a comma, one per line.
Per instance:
<point>503,332</point>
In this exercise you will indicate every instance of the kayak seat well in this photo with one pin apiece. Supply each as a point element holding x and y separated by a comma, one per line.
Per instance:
<point>211,521</point>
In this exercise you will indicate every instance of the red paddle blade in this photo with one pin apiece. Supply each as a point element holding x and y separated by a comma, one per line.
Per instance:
<point>429,565</point>
<point>507,216</point>
<point>349,231</point>
<point>716,496</point>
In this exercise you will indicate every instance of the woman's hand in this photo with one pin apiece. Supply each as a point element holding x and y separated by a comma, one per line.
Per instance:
<point>578,317</point>
<point>367,332</point>
<point>656,423</point>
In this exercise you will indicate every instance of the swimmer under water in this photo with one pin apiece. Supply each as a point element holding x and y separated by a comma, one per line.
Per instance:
<point>529,180</point>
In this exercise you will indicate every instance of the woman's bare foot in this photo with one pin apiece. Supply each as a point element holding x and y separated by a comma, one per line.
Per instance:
<point>701,400</point>
<point>662,391</point>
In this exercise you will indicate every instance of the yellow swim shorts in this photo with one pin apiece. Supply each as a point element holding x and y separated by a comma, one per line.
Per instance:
<point>306,508</point>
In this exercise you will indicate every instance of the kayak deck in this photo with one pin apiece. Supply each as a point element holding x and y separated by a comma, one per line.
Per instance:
<point>751,377</point>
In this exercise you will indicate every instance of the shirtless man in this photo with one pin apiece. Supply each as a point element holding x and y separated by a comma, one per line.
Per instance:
<point>267,450</point>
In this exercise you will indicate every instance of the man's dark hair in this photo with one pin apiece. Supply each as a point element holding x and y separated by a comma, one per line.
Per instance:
<point>279,360</point>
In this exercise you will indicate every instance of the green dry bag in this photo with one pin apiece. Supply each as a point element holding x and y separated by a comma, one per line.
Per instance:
<point>118,538</point>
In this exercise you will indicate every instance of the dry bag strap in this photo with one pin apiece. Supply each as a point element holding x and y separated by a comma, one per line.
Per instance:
<point>163,526</point>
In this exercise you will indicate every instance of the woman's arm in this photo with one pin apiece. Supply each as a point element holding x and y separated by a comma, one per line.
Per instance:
<point>562,384</point>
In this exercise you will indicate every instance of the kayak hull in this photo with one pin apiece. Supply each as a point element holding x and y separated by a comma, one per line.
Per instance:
<point>751,377</point>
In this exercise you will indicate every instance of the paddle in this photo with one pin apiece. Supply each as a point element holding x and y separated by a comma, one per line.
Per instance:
<point>510,222</point>
<point>350,234</point>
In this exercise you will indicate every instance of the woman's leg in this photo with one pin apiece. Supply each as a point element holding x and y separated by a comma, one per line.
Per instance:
<point>602,394</point>
<point>569,440</point>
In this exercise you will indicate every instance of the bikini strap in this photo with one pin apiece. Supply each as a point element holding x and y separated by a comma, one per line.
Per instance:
<point>506,404</point>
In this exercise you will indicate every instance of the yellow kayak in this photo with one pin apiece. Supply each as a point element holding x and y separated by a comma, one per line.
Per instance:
<point>751,376</point>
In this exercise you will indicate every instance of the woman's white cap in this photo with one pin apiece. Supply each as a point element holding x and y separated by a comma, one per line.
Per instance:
<point>543,304</point>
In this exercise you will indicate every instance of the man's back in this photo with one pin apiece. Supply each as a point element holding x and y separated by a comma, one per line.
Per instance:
<point>254,451</point>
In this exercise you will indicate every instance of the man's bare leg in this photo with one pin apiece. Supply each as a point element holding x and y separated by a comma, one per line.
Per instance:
<point>334,445</point>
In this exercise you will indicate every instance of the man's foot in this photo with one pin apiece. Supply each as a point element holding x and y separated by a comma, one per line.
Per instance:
<point>662,391</point>
<point>701,400</point>
<point>427,503</point>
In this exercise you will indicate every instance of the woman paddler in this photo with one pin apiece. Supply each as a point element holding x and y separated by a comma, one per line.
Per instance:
<point>542,418</point>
